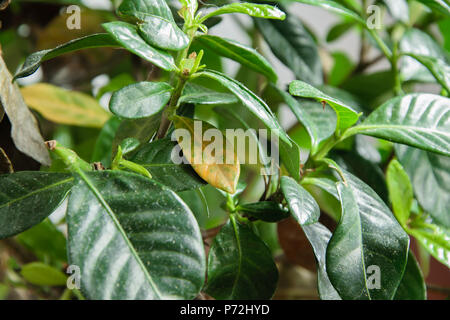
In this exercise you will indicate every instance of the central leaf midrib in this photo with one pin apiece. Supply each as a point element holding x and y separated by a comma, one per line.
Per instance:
<point>121,231</point>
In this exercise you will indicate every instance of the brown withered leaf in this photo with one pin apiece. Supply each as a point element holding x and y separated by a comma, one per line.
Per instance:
<point>5,163</point>
<point>24,128</point>
<point>212,156</point>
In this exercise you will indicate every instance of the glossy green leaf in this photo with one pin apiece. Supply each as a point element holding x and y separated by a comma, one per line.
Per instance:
<point>264,210</point>
<point>138,8</point>
<point>437,67</point>
<point>368,171</point>
<point>241,53</point>
<point>290,157</point>
<point>250,100</point>
<point>33,61</point>
<point>441,6</point>
<point>140,100</point>
<point>232,120</point>
<point>133,239</point>
<point>301,204</point>
<point>292,44</point>
<point>335,7</point>
<point>367,236</point>
<point>434,239</point>
<point>162,33</point>
<point>27,198</point>
<point>412,286</point>
<point>400,191</point>
<point>430,177</point>
<point>41,274</point>
<point>128,36</point>
<point>255,10</point>
<point>156,158</point>
<point>319,236</point>
<point>417,42</point>
<point>196,94</point>
<point>238,261</point>
<point>418,120</point>
<point>346,115</point>
<point>320,124</point>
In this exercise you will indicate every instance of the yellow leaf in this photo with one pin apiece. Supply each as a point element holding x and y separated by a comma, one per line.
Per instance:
<point>210,154</point>
<point>65,106</point>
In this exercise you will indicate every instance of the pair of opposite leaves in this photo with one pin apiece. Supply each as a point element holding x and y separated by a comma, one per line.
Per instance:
<point>214,161</point>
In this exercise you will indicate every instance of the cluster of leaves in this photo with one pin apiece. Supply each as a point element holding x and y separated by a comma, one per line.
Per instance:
<point>134,228</point>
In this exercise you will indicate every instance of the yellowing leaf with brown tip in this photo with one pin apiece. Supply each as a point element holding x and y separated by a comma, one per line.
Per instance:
<point>65,106</point>
<point>208,151</point>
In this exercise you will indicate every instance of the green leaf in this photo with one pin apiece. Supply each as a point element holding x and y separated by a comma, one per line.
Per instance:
<point>251,9</point>
<point>368,171</point>
<point>128,36</point>
<point>65,106</point>
<point>133,239</point>
<point>434,239</point>
<point>398,9</point>
<point>416,42</point>
<point>250,100</point>
<point>140,100</point>
<point>290,157</point>
<point>412,286</point>
<point>45,241</point>
<point>162,33</point>
<point>342,68</point>
<point>370,88</point>
<point>335,7</point>
<point>441,6</point>
<point>232,120</point>
<point>41,274</point>
<point>138,8</point>
<point>156,158</point>
<point>339,30</point>
<point>141,129</point>
<point>367,235</point>
<point>419,120</point>
<point>33,61</point>
<point>196,94</point>
<point>264,210</point>
<point>346,115</point>
<point>400,191</point>
<point>301,204</point>
<point>238,261</point>
<point>292,44</point>
<point>27,198</point>
<point>241,53</point>
<point>319,124</point>
<point>437,67</point>
<point>319,236</point>
<point>430,177</point>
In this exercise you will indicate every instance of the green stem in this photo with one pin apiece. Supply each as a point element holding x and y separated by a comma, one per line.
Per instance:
<point>325,149</point>
<point>180,83</point>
